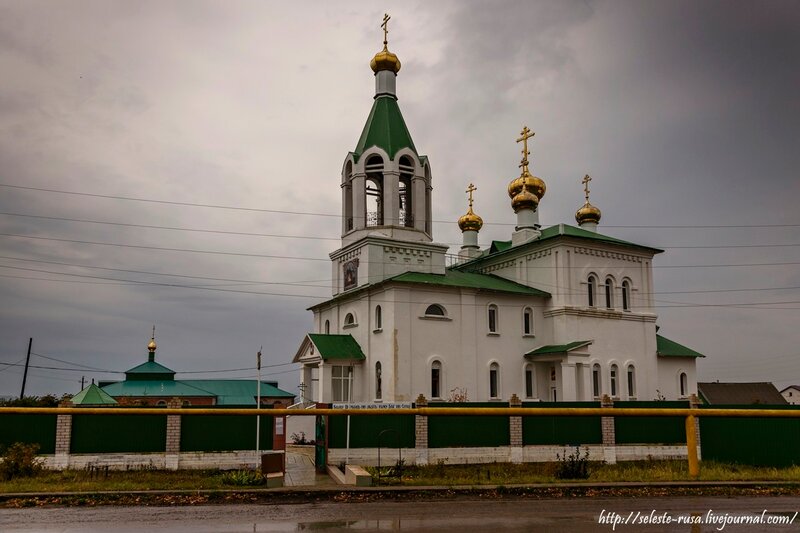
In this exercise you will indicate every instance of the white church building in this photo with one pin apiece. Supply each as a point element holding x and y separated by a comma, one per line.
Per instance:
<point>559,313</point>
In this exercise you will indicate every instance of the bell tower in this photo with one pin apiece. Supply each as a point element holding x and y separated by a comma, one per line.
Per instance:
<point>386,192</point>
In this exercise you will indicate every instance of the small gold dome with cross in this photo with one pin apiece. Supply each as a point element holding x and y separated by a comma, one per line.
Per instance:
<point>470,221</point>
<point>385,60</point>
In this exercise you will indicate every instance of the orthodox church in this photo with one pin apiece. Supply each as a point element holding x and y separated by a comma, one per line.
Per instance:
<point>559,313</point>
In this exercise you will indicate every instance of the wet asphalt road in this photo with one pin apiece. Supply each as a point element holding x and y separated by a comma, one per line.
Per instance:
<point>460,515</point>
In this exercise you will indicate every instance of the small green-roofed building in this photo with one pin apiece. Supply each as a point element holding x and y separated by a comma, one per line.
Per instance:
<point>668,348</point>
<point>94,396</point>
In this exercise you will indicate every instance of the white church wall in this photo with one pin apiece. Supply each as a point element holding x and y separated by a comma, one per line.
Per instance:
<point>669,377</point>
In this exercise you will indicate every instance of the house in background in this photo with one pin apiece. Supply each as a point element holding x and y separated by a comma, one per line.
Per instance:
<point>153,384</point>
<point>792,394</point>
<point>740,394</point>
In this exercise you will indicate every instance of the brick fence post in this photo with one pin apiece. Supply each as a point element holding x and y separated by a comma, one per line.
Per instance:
<point>173,445</point>
<point>515,431</point>
<point>421,433</point>
<point>694,403</point>
<point>63,437</point>
<point>609,433</point>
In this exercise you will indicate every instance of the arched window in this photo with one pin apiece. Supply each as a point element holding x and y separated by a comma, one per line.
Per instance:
<point>609,288</point>
<point>161,403</point>
<point>347,192</point>
<point>349,319</point>
<point>436,379</point>
<point>527,321</point>
<point>613,376</point>
<point>406,192</point>
<point>596,382</point>
<point>373,189</point>
<point>187,403</point>
<point>631,382</point>
<point>435,310</point>
<point>529,381</point>
<point>378,381</point>
<point>684,384</point>
<point>327,327</point>
<point>378,317</point>
<point>494,381</point>
<point>492,318</point>
<point>592,288</point>
<point>626,295</point>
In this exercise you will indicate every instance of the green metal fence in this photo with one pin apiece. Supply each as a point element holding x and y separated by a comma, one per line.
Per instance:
<point>650,430</point>
<point>468,431</point>
<point>30,429</point>
<point>209,433</point>
<point>561,430</point>
<point>393,431</point>
<point>118,433</point>
<point>751,441</point>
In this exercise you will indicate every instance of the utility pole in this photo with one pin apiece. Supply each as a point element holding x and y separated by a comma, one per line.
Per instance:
<point>25,373</point>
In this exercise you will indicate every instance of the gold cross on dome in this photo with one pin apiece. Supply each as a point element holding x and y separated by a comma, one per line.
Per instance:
<point>385,27</point>
<point>154,331</point>
<point>585,181</point>
<point>469,191</point>
<point>526,134</point>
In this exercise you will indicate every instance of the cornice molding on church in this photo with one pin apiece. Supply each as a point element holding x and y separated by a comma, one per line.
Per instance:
<point>430,247</point>
<point>611,314</point>
<point>610,254</point>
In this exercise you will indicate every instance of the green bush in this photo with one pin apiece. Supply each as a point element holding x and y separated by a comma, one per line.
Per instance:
<point>20,460</point>
<point>573,466</point>
<point>243,478</point>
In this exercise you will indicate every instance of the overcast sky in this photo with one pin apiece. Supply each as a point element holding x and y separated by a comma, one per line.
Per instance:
<point>685,113</point>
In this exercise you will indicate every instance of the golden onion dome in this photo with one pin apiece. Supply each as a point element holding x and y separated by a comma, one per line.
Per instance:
<point>524,200</point>
<point>587,213</point>
<point>385,60</point>
<point>152,345</point>
<point>516,186</point>
<point>534,184</point>
<point>470,221</point>
<point>537,186</point>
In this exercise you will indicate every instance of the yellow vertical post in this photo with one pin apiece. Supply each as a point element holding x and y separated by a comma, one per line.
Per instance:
<point>691,446</point>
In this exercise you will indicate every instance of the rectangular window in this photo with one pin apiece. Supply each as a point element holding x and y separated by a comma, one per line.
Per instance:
<point>613,382</point>
<point>596,382</point>
<point>435,383</point>
<point>341,383</point>
<point>529,383</point>
<point>631,385</point>
<point>527,325</point>
<point>493,383</point>
<point>608,295</point>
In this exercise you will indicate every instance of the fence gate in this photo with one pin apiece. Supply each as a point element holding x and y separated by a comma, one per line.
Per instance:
<point>321,443</point>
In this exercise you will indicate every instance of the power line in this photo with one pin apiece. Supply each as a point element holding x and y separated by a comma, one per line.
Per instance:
<point>71,363</point>
<point>308,213</point>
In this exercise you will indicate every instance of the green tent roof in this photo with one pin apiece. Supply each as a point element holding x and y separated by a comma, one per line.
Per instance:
<point>153,387</point>
<point>559,348</point>
<point>668,348</point>
<point>471,280</point>
<point>385,128</point>
<point>93,395</point>
<point>150,370</point>
<point>336,346</point>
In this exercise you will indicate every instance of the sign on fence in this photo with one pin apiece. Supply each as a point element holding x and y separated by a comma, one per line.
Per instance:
<point>401,405</point>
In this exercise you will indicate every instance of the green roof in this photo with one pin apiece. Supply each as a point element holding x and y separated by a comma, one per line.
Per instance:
<point>226,391</point>
<point>668,348</point>
<point>385,128</point>
<point>150,370</point>
<point>559,348</point>
<point>552,232</point>
<point>93,395</point>
<point>471,280</point>
<point>336,346</point>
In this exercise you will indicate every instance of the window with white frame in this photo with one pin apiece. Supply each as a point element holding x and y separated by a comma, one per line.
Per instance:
<point>609,289</point>
<point>684,384</point>
<point>327,327</point>
<point>492,318</point>
<point>631,382</point>
<point>527,321</point>
<point>436,379</point>
<point>592,289</point>
<point>596,389</point>
<point>341,382</point>
<point>378,317</point>
<point>435,310</point>
<point>626,295</point>
<point>529,393</point>
<point>494,381</point>
<point>613,376</point>
<point>349,319</point>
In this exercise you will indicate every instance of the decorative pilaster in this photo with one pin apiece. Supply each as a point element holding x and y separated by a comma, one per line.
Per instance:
<point>173,445</point>
<point>421,432</point>
<point>609,433</point>
<point>63,437</point>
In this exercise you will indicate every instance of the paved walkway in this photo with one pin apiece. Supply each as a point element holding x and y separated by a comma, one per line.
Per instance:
<point>300,469</point>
